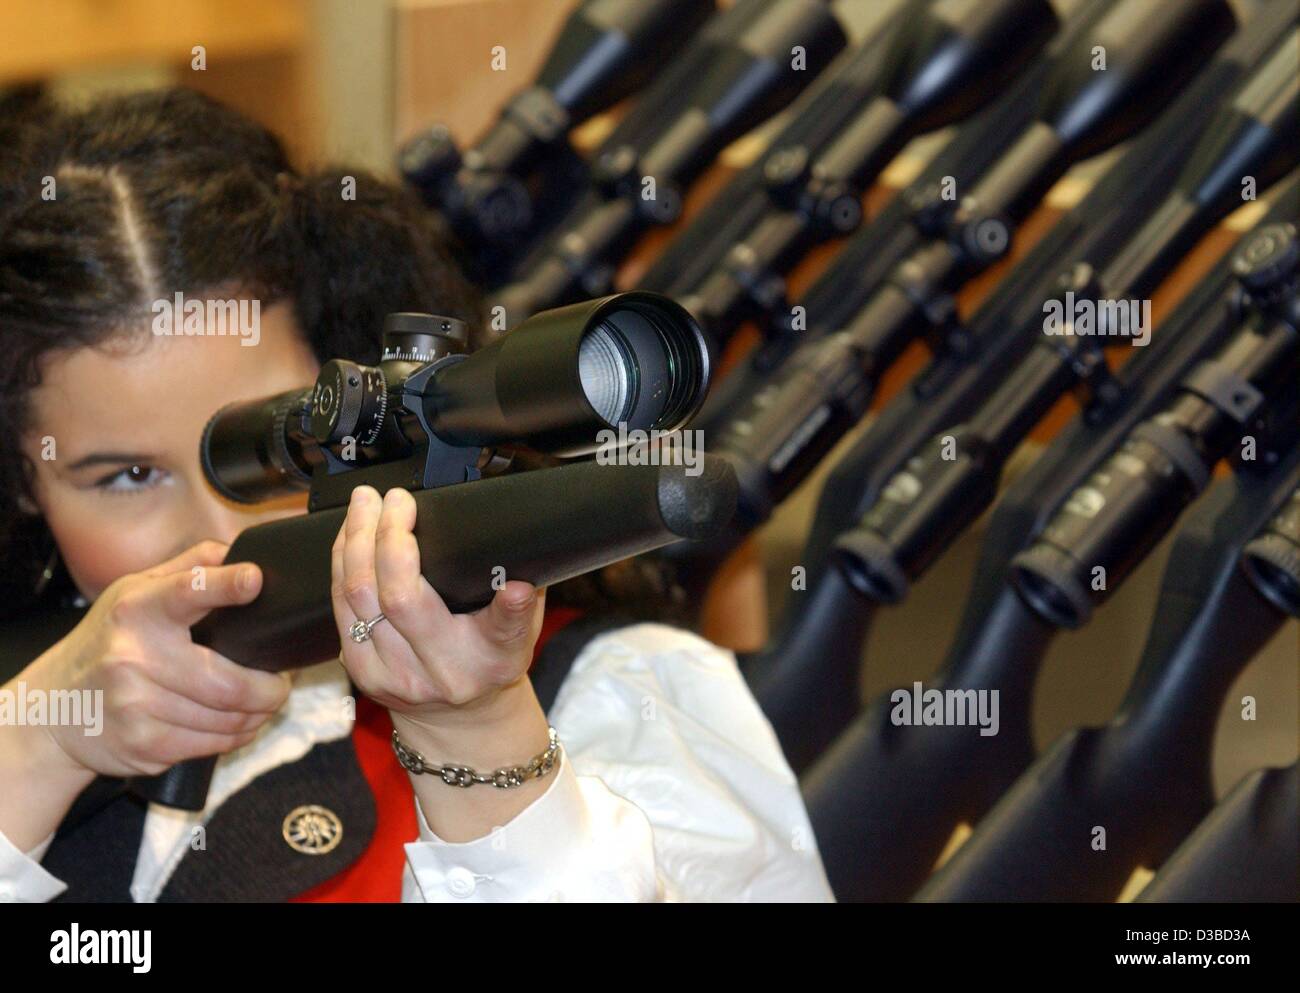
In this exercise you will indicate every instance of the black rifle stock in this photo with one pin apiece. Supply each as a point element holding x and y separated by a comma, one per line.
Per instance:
<point>816,385</point>
<point>866,784</point>
<point>543,527</point>
<point>1245,851</point>
<point>1145,776</point>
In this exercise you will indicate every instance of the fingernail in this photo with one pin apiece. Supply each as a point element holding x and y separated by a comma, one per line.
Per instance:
<point>245,578</point>
<point>360,495</point>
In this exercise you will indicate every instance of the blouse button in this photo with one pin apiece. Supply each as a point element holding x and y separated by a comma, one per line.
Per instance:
<point>460,882</point>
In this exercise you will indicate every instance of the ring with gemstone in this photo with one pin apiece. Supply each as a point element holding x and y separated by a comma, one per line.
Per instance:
<point>360,630</point>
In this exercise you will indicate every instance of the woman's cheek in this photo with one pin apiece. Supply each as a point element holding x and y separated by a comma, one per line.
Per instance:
<point>97,549</point>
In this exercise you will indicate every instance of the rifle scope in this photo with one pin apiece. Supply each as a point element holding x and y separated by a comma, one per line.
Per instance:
<point>1118,515</point>
<point>553,384</point>
<point>606,50</point>
<point>954,477</point>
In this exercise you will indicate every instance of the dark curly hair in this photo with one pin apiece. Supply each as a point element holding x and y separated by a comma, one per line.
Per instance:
<point>170,191</point>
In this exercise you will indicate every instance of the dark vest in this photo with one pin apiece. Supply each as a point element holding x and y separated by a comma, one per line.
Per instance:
<point>245,859</point>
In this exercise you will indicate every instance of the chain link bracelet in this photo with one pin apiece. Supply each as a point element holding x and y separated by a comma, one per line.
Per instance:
<point>459,775</point>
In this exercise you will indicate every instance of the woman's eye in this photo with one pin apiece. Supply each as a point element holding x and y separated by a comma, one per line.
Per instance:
<point>133,479</point>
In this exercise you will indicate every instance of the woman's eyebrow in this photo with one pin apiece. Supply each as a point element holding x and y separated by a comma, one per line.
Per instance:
<point>108,458</point>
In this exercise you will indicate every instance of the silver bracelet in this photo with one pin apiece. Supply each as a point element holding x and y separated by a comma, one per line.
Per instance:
<point>459,775</point>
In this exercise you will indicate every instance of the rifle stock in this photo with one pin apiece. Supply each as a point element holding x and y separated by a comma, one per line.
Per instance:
<point>543,527</point>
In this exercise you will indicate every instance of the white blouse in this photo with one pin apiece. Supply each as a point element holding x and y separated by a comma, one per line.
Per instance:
<point>671,787</point>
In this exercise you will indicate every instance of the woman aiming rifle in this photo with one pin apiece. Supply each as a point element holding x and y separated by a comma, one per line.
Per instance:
<point>664,781</point>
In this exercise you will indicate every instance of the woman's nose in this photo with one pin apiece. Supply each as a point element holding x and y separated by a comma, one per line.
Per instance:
<point>217,520</point>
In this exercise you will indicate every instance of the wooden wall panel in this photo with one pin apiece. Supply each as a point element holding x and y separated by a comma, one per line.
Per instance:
<point>443,59</point>
<point>41,39</point>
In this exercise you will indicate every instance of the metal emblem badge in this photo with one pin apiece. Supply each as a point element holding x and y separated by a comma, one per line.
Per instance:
<point>312,830</point>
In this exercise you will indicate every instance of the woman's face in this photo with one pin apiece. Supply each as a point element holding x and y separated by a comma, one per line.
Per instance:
<point>124,490</point>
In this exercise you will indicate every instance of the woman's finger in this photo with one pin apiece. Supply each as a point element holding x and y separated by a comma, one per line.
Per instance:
<point>205,553</point>
<point>514,616</point>
<point>360,585</point>
<point>213,681</point>
<point>173,743</point>
<point>410,604</point>
<point>356,598</point>
<point>173,708</point>
<point>414,615</point>
<point>185,598</point>
<point>360,659</point>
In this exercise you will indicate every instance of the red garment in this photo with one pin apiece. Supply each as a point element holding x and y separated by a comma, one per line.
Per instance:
<point>376,877</point>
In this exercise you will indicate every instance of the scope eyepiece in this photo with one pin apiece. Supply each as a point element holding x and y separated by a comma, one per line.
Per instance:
<point>870,565</point>
<point>1049,581</point>
<point>256,450</point>
<point>1272,560</point>
<point>429,158</point>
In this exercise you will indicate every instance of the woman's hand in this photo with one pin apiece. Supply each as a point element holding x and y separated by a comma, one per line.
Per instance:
<point>166,699</point>
<point>160,697</point>
<point>455,684</point>
<point>422,660</point>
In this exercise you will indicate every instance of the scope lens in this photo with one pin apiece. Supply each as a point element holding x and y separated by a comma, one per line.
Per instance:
<point>607,371</point>
<point>642,366</point>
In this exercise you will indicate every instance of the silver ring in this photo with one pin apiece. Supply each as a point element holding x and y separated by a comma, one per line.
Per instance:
<point>360,630</point>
